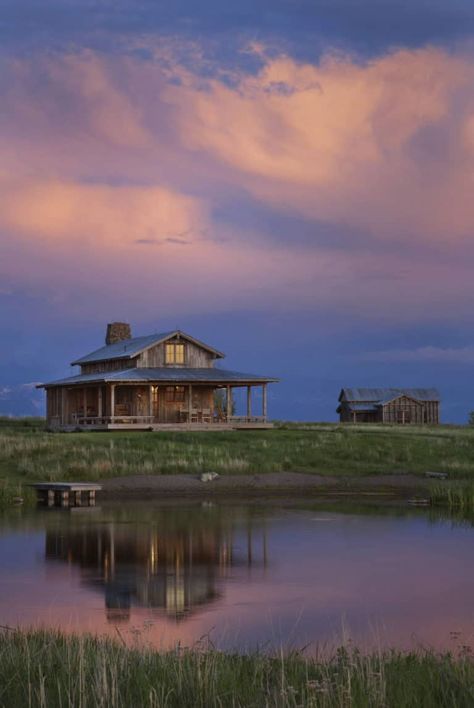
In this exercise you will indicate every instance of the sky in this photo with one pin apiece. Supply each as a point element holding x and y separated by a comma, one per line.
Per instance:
<point>288,180</point>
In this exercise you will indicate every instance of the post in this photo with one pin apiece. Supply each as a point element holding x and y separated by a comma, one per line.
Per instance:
<point>99,401</point>
<point>249,402</point>
<point>190,403</point>
<point>264,402</point>
<point>77,498</point>
<point>112,402</point>
<point>92,497</point>
<point>150,401</point>
<point>229,402</point>
<point>50,494</point>
<point>63,406</point>
<point>64,498</point>
<point>84,404</point>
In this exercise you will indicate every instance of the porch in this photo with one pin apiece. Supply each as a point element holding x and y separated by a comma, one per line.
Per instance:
<point>154,407</point>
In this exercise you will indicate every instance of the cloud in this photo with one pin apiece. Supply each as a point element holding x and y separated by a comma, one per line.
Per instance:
<point>103,159</point>
<point>96,213</point>
<point>386,146</point>
<point>439,355</point>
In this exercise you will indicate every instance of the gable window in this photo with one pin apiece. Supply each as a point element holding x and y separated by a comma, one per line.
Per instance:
<point>174,353</point>
<point>175,394</point>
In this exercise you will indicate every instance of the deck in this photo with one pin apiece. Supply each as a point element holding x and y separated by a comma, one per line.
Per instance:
<point>66,493</point>
<point>150,423</point>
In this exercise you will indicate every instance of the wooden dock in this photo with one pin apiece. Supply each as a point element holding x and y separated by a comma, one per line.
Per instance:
<point>66,493</point>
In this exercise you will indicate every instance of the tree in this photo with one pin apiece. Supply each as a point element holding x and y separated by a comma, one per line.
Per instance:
<point>471,418</point>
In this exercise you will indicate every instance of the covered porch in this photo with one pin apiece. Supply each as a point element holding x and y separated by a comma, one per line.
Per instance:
<point>128,406</point>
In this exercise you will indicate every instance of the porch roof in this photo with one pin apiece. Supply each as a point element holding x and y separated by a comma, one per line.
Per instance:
<point>163,375</point>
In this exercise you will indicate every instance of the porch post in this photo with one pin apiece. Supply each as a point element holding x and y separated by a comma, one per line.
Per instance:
<point>229,402</point>
<point>112,402</point>
<point>264,401</point>
<point>190,402</point>
<point>249,401</point>
<point>84,403</point>
<point>63,405</point>
<point>99,401</point>
<point>150,401</point>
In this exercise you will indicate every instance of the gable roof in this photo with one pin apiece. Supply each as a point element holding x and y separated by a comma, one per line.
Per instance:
<point>129,348</point>
<point>163,374</point>
<point>384,395</point>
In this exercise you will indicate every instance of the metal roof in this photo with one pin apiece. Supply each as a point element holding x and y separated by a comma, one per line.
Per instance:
<point>367,407</point>
<point>163,374</point>
<point>384,395</point>
<point>128,348</point>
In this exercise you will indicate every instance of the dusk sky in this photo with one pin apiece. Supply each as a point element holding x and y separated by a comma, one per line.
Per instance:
<point>291,181</point>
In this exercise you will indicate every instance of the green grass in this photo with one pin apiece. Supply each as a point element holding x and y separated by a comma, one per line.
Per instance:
<point>456,496</point>
<point>45,670</point>
<point>29,453</point>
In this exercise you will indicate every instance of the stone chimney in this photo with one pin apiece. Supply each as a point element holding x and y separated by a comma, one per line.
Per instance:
<point>117,332</point>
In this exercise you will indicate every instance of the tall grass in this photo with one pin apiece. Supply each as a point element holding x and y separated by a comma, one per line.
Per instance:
<point>45,670</point>
<point>29,453</point>
<point>456,496</point>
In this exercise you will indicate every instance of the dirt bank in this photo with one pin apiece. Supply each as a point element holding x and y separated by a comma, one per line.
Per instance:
<point>272,484</point>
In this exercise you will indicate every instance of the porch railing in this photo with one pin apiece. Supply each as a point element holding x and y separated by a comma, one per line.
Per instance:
<point>150,420</point>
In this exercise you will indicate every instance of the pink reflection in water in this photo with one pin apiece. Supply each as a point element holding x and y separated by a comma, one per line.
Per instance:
<point>242,577</point>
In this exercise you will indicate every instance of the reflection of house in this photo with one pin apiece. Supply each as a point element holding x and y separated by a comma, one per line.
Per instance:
<point>389,405</point>
<point>155,381</point>
<point>175,571</point>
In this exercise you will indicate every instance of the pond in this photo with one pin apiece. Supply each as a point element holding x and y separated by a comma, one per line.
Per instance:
<point>279,575</point>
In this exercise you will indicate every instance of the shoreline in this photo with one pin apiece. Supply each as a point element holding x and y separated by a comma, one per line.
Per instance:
<point>294,484</point>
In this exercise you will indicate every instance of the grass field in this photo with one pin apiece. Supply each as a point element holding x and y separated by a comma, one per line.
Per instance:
<point>46,670</point>
<point>29,453</point>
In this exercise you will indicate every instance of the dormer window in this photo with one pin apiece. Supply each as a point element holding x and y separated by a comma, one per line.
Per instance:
<point>174,353</point>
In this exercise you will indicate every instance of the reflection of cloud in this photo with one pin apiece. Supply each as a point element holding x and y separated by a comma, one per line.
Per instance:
<point>461,355</point>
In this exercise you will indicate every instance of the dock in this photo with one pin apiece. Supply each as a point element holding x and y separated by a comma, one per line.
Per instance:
<point>66,493</point>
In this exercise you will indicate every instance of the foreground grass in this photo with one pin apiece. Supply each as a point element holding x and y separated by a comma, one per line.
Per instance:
<point>47,670</point>
<point>29,453</point>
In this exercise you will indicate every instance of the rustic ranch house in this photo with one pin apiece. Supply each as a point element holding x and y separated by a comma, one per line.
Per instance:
<point>159,381</point>
<point>389,405</point>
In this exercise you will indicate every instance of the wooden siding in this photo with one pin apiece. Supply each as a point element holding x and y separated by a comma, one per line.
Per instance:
<point>111,365</point>
<point>195,357</point>
<point>402,410</point>
<point>64,404</point>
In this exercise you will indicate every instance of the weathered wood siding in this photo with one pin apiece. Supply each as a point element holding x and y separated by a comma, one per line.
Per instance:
<point>195,357</point>
<point>112,365</point>
<point>167,411</point>
<point>402,410</point>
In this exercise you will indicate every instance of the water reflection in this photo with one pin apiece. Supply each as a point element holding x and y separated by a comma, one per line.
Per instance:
<point>248,576</point>
<point>176,565</point>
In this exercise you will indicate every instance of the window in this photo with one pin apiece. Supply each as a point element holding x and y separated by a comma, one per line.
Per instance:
<point>174,353</point>
<point>175,394</point>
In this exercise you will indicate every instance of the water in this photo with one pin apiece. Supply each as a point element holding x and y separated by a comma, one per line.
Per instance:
<point>240,576</point>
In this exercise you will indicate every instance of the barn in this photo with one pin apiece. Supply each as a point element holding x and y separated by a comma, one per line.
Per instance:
<point>415,406</point>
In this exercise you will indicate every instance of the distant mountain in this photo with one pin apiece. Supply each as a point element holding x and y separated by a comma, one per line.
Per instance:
<point>22,399</point>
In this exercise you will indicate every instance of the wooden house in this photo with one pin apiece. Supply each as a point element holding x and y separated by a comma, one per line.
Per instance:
<point>389,405</point>
<point>157,381</point>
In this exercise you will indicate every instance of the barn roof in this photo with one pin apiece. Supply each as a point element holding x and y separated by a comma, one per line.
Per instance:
<point>384,395</point>
<point>163,375</point>
<point>128,348</point>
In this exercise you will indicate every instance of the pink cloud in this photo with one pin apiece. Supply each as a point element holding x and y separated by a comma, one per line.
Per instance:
<point>347,142</point>
<point>106,164</point>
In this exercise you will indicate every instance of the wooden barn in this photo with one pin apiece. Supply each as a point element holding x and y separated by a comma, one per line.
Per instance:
<point>157,381</point>
<point>417,406</point>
